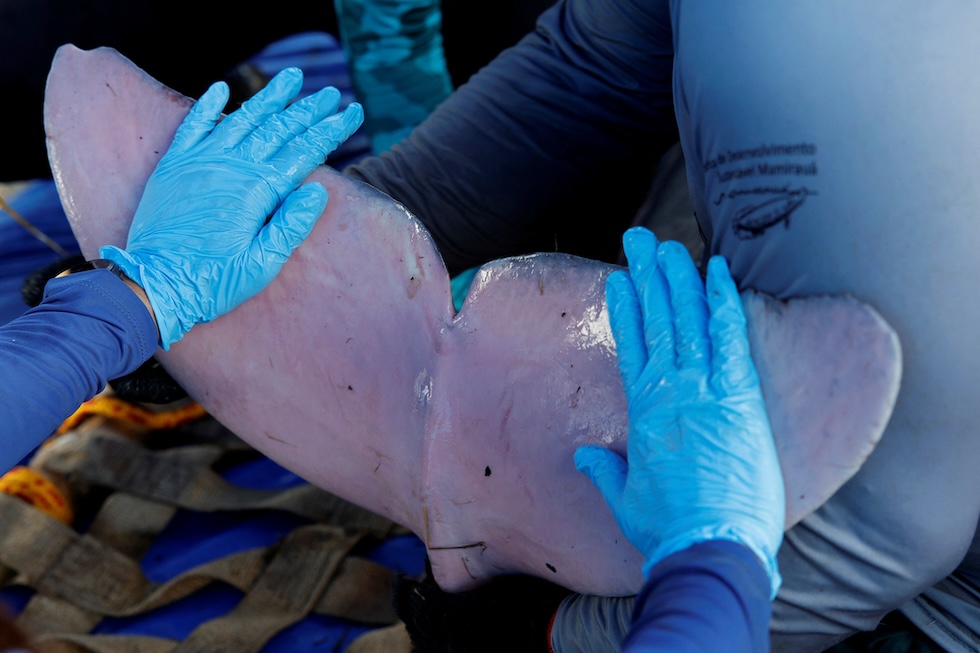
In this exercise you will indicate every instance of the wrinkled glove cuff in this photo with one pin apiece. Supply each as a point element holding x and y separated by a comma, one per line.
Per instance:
<point>169,320</point>
<point>682,541</point>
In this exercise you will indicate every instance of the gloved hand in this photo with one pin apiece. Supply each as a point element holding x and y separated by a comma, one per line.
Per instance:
<point>702,461</point>
<point>199,244</point>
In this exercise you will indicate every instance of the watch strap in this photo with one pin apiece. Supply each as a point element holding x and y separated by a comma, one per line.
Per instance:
<point>95,264</point>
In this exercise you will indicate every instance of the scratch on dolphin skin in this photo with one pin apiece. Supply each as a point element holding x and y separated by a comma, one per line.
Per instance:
<point>482,545</point>
<point>381,456</point>
<point>111,90</point>
<point>272,437</point>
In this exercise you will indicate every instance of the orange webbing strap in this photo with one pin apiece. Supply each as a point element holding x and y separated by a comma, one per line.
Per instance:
<point>81,578</point>
<point>123,411</point>
<point>38,490</point>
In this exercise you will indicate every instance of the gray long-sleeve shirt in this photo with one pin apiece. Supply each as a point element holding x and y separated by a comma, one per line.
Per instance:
<point>830,149</point>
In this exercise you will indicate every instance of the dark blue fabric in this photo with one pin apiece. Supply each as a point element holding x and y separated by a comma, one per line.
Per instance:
<point>193,538</point>
<point>90,328</point>
<point>20,252</point>
<point>51,365</point>
<point>64,361</point>
<point>712,596</point>
<point>547,148</point>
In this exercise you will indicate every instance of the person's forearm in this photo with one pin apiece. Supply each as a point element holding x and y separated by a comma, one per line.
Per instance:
<point>712,596</point>
<point>141,295</point>
<point>90,327</point>
<point>547,131</point>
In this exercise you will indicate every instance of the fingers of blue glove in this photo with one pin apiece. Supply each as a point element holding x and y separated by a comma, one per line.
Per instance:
<point>640,246</point>
<point>305,152</point>
<point>269,138</point>
<point>201,119</point>
<point>732,369</point>
<point>607,470</point>
<point>260,107</point>
<point>626,322</point>
<point>286,230</point>
<point>689,307</point>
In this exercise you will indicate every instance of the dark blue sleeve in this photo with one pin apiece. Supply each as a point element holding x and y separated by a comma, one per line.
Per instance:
<point>552,129</point>
<point>712,596</point>
<point>89,328</point>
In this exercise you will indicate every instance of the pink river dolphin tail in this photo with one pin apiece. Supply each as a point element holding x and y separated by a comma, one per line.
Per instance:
<point>353,370</point>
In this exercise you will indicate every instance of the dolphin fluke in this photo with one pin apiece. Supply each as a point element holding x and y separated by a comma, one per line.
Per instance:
<point>354,371</point>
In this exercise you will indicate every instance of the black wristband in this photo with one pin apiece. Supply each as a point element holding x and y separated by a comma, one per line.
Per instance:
<point>95,264</point>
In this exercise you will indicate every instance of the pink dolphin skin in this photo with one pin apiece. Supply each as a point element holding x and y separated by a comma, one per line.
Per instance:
<point>354,371</point>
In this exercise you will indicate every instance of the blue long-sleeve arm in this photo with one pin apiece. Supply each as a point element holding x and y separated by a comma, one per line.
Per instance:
<point>553,135</point>
<point>712,596</point>
<point>89,328</point>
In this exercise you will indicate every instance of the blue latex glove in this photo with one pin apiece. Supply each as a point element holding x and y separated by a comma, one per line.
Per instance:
<point>199,244</point>
<point>702,461</point>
